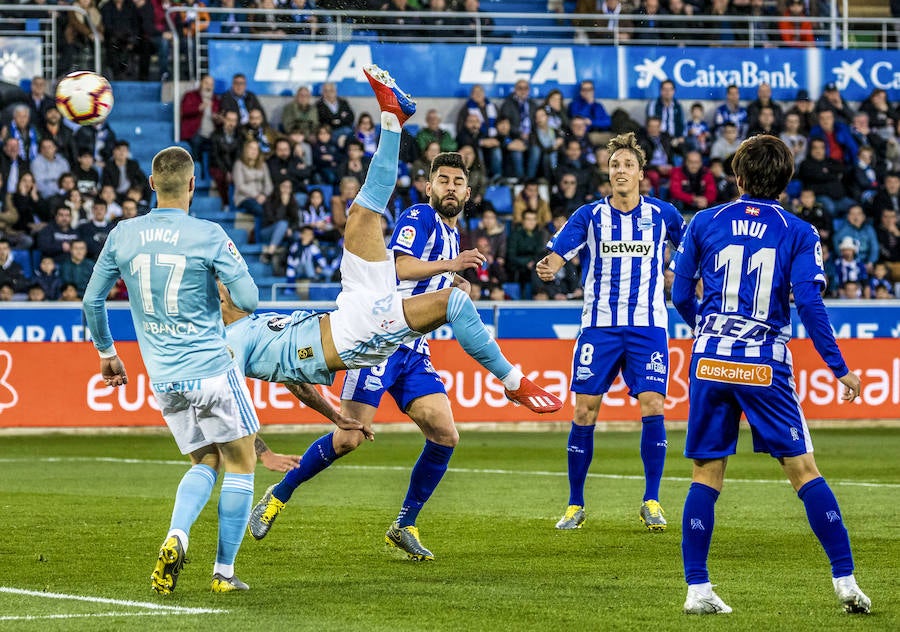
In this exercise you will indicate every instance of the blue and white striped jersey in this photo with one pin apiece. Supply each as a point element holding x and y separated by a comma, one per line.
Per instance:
<point>421,233</point>
<point>748,254</point>
<point>622,260</point>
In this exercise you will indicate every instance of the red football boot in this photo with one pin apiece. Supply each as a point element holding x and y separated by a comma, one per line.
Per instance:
<point>533,397</point>
<point>390,97</point>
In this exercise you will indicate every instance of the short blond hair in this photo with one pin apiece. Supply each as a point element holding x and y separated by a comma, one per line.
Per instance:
<point>172,170</point>
<point>627,141</point>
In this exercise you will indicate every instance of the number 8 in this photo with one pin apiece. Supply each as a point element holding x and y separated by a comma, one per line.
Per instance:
<point>587,354</point>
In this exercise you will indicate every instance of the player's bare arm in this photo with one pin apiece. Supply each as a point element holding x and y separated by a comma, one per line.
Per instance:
<point>309,395</point>
<point>273,460</point>
<point>547,267</point>
<point>411,268</point>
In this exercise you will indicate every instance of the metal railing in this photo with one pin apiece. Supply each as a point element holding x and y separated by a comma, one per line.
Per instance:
<point>42,20</point>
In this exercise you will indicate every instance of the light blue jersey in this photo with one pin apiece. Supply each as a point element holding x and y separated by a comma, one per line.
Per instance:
<point>280,348</point>
<point>169,262</point>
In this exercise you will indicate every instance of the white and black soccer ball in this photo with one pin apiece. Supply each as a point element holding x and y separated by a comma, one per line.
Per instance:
<point>84,97</point>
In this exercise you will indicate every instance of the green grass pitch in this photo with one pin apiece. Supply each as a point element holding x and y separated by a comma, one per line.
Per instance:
<point>84,515</point>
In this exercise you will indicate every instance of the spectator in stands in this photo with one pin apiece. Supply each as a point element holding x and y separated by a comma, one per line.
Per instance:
<point>557,117</point>
<point>226,146</point>
<point>678,32</point>
<point>474,134</point>
<point>832,101</point>
<point>59,134</point>
<point>861,232</point>
<point>11,165</point>
<point>796,32</point>
<point>78,49</point>
<point>825,176</point>
<point>305,261</point>
<point>36,293</point>
<point>565,286</point>
<point>432,132</point>
<point>529,198</point>
<point>74,201</point>
<point>882,117</point>
<point>428,154</point>
<point>808,209</point>
<point>483,24</point>
<point>793,138</point>
<point>39,101</point>
<point>888,233</point>
<point>283,164</point>
<point>230,21</point>
<point>149,33</point>
<point>95,230</point>
<point>659,148</point>
<point>280,212</point>
<point>567,199</point>
<point>398,25</point>
<point>10,271</point>
<point>726,189</point>
<point>200,117</point>
<point>851,271</point>
<point>805,111</point>
<point>697,136</point>
<point>347,190</point>
<point>121,29</point>
<point>888,195</point>
<point>9,217</point>
<point>317,215</point>
<point>862,182</point>
<point>7,291</point>
<point>586,106</point>
<point>252,183</point>
<point>23,130</point>
<point>258,129</point>
<point>526,245</point>
<point>76,268</point>
<point>726,144</point>
<point>477,180</point>
<point>301,114</point>
<point>578,130</point>
<point>491,229</point>
<point>480,106</point>
<point>864,135</point>
<point>99,139</point>
<point>765,123</point>
<point>267,24</point>
<point>54,239</point>
<point>731,111</point>
<point>572,162</point>
<point>355,163</point>
<point>440,24</point>
<point>335,112</point>
<point>124,172</point>
<point>880,284</point>
<point>129,210</point>
<point>668,110</point>
<point>326,156</point>
<point>26,202</point>
<point>491,271</point>
<point>648,27</point>
<point>109,197</point>
<point>691,185</point>
<point>839,142</point>
<point>764,32</point>
<point>726,29</point>
<point>546,139</point>
<point>47,168</point>
<point>366,133</point>
<point>239,99</point>
<point>519,109</point>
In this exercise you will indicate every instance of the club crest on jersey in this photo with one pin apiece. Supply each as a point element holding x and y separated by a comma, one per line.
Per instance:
<point>233,251</point>
<point>583,373</point>
<point>407,236</point>
<point>373,383</point>
<point>645,223</point>
<point>278,323</point>
<point>752,210</point>
<point>656,363</point>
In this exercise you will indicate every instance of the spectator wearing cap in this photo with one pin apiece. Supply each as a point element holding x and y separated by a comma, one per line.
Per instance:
<point>796,32</point>
<point>851,271</point>
<point>839,142</point>
<point>804,108</point>
<point>832,100</point>
<point>861,232</point>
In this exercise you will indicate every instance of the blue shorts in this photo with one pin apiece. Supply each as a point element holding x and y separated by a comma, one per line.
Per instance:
<point>641,353</point>
<point>406,375</point>
<point>722,388</point>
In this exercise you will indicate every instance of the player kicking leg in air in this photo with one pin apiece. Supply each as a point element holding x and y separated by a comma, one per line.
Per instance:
<point>624,323</point>
<point>740,361</point>
<point>372,320</point>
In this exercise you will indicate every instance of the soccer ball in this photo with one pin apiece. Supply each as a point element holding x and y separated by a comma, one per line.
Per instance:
<point>84,97</point>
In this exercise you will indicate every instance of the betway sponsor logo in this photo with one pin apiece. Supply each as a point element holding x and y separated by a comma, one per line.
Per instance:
<point>626,248</point>
<point>734,372</point>
<point>685,72</point>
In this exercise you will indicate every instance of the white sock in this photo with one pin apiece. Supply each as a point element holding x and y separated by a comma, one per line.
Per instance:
<point>389,121</point>
<point>225,570</point>
<point>513,380</point>
<point>835,580</point>
<point>181,535</point>
<point>704,589</point>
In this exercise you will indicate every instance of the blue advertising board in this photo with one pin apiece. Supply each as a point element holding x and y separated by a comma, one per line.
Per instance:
<point>626,72</point>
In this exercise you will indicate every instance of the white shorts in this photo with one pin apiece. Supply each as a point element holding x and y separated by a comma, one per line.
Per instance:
<point>203,412</point>
<point>368,324</point>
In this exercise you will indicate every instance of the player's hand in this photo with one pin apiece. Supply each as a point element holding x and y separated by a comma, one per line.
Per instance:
<point>545,270</point>
<point>278,462</point>
<point>113,371</point>
<point>348,423</point>
<point>851,386</point>
<point>468,259</point>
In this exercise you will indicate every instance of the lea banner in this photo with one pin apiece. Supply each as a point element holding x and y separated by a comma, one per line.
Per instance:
<point>59,385</point>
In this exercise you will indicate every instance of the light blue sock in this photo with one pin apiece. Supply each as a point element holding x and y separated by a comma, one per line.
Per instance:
<point>193,493</point>
<point>474,337</point>
<point>235,502</point>
<point>381,178</point>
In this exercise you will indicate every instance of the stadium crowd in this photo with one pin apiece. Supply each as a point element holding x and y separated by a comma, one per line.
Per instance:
<point>532,162</point>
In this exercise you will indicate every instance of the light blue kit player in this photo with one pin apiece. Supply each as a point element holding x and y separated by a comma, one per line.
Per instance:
<point>621,241</point>
<point>169,262</point>
<point>750,256</point>
<point>373,318</point>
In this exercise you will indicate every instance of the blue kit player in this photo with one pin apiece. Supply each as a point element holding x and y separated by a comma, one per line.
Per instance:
<point>373,318</point>
<point>751,255</point>
<point>621,241</point>
<point>169,262</point>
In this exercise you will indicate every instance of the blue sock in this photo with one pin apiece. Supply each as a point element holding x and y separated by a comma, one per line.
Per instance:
<point>319,455</point>
<point>235,502</point>
<point>193,493</point>
<point>697,524</point>
<point>472,335</point>
<point>381,178</point>
<point>581,452</point>
<point>825,519</point>
<point>426,474</point>
<point>653,454</point>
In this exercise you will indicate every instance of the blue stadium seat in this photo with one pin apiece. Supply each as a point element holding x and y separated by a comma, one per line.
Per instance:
<point>23,258</point>
<point>500,196</point>
<point>513,291</point>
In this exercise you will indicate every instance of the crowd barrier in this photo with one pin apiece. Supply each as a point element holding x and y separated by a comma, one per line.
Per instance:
<point>59,385</point>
